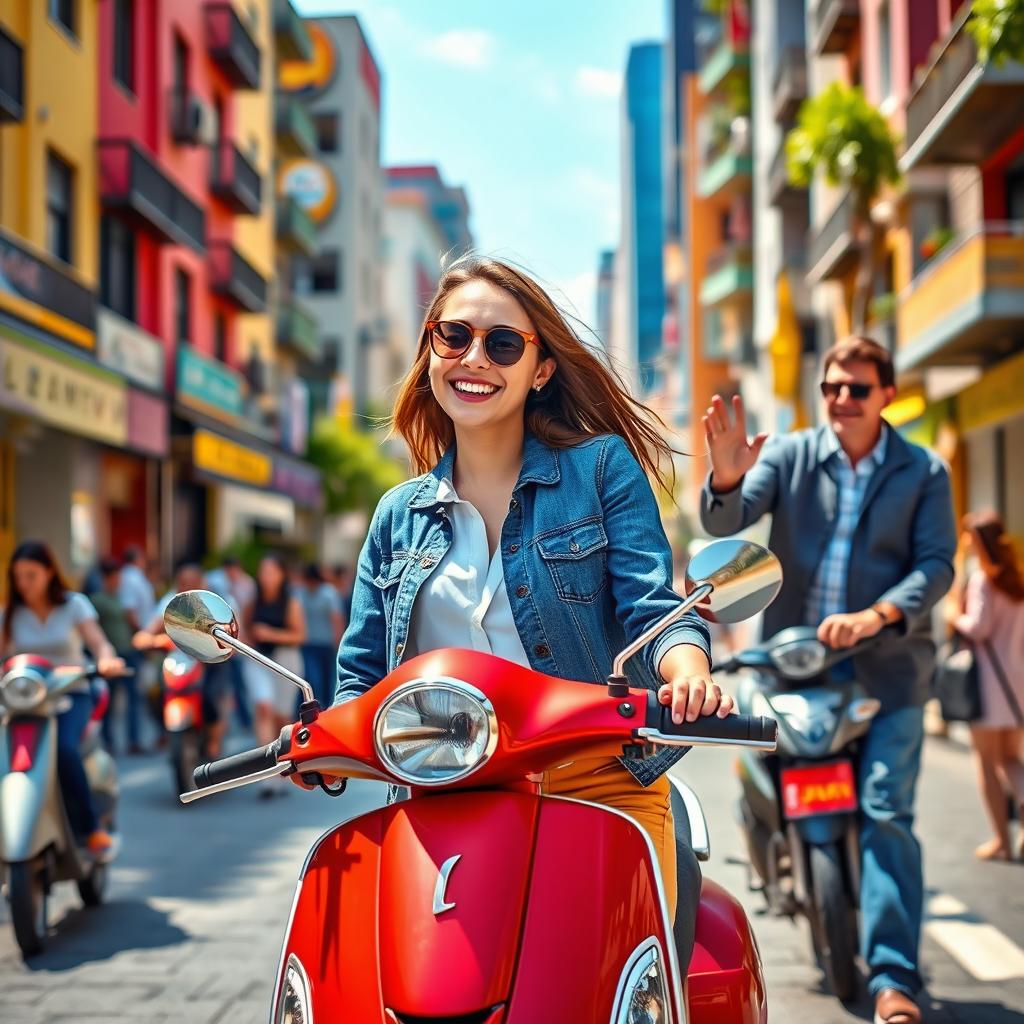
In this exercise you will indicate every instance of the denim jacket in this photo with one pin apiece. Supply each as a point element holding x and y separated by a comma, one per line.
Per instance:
<point>586,562</point>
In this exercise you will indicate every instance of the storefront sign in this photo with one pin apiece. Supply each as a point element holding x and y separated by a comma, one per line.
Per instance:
<point>214,454</point>
<point>147,423</point>
<point>997,396</point>
<point>298,481</point>
<point>63,391</point>
<point>308,77</point>
<point>130,350</point>
<point>208,385</point>
<point>311,185</point>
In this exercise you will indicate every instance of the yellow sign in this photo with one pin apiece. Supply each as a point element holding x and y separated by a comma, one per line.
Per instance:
<point>311,185</point>
<point>310,76</point>
<point>215,454</point>
<point>997,396</point>
<point>64,392</point>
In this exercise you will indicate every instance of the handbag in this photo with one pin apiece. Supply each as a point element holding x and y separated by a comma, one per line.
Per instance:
<point>956,681</point>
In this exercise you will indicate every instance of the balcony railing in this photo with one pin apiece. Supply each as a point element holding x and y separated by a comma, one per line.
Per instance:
<point>295,228</point>
<point>832,247</point>
<point>12,79</point>
<point>232,46</point>
<point>234,180</point>
<point>961,111</point>
<point>131,182</point>
<point>722,63</point>
<point>729,274</point>
<point>232,276</point>
<point>297,328</point>
<point>966,301</point>
<point>835,23</point>
<point>780,188</point>
<point>726,167</point>
<point>789,87</point>
<point>293,39</point>
<point>293,124</point>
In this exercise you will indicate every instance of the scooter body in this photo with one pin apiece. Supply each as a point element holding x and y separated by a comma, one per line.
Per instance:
<point>184,724</point>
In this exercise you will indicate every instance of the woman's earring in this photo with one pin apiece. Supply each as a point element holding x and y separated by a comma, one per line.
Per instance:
<point>537,387</point>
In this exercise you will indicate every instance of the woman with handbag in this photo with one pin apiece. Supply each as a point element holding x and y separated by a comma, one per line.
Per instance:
<point>992,619</point>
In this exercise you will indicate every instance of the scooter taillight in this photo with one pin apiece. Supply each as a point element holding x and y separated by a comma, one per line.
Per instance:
<point>24,740</point>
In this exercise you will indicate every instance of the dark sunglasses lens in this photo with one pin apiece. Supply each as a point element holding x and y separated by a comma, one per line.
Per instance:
<point>858,392</point>
<point>504,347</point>
<point>450,339</point>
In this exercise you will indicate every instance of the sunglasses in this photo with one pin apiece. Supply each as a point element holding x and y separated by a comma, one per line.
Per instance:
<point>504,346</point>
<point>858,392</point>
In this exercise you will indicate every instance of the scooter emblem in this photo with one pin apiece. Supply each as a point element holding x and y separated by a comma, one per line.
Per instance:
<point>441,889</point>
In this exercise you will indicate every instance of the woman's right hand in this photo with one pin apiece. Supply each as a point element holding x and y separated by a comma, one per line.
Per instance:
<point>732,453</point>
<point>142,641</point>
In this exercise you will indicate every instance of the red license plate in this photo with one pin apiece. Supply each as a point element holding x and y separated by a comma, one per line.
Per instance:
<point>818,789</point>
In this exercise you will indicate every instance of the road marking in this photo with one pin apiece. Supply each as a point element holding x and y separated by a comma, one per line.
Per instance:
<point>980,948</point>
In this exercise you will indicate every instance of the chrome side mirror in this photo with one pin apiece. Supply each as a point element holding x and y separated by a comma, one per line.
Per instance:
<point>192,620</point>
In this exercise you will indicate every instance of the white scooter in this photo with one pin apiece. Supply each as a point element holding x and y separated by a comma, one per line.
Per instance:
<point>37,845</point>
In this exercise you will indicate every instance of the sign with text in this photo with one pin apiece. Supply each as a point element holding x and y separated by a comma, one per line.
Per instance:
<point>212,453</point>
<point>128,349</point>
<point>208,385</point>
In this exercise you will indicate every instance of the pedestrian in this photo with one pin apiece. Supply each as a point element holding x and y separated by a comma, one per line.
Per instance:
<point>238,588</point>
<point>343,580</point>
<point>136,593</point>
<point>992,619</point>
<point>862,521</point>
<point>532,532</point>
<point>276,627</point>
<point>114,623</point>
<point>321,606</point>
<point>45,617</point>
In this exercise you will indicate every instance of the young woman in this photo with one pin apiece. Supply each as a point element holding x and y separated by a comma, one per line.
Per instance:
<point>533,532</point>
<point>993,619</point>
<point>43,616</point>
<point>275,626</point>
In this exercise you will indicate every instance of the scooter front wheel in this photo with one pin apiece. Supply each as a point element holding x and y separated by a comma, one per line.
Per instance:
<point>93,887</point>
<point>26,891</point>
<point>833,921</point>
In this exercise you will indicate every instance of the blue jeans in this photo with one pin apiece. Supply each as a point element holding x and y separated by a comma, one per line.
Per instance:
<point>70,769</point>
<point>230,672</point>
<point>130,686</point>
<point>321,671</point>
<point>892,882</point>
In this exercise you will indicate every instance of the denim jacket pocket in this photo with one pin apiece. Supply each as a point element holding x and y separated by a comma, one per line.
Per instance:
<point>577,559</point>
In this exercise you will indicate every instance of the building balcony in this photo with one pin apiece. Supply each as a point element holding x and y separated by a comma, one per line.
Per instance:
<point>961,111</point>
<point>293,125</point>
<point>236,279</point>
<point>729,275</point>
<point>234,180</point>
<point>295,229</point>
<point>966,305</point>
<point>290,33</point>
<point>12,79</point>
<point>298,330</point>
<point>789,87</point>
<point>727,169</point>
<point>835,22</point>
<point>781,191</point>
<point>231,45</point>
<point>832,247</point>
<point>725,61</point>
<point>132,183</point>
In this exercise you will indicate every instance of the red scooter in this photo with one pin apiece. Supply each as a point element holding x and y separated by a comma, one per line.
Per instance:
<point>479,900</point>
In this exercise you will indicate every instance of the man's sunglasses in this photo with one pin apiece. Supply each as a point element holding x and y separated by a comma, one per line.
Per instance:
<point>858,392</point>
<point>504,345</point>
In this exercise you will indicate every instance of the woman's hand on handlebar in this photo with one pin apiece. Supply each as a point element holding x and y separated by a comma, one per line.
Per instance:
<point>110,667</point>
<point>328,780</point>
<point>689,688</point>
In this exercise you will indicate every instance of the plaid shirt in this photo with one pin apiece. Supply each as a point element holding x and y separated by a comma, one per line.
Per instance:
<point>827,595</point>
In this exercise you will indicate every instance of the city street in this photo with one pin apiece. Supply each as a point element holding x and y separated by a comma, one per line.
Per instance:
<point>200,896</point>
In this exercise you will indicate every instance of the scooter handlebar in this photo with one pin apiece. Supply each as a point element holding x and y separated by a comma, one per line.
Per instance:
<point>755,730</point>
<point>237,766</point>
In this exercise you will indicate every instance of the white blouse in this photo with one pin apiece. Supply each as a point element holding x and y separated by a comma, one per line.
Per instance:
<point>464,603</point>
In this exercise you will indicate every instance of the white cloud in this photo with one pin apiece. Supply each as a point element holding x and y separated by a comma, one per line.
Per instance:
<point>468,48</point>
<point>579,297</point>
<point>598,83</point>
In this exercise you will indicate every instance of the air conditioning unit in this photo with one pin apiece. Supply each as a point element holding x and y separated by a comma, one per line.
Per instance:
<point>192,121</point>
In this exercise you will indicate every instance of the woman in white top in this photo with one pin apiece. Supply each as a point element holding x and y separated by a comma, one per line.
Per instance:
<point>993,620</point>
<point>44,617</point>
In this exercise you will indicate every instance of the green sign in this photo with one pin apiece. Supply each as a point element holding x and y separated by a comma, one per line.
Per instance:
<point>208,385</point>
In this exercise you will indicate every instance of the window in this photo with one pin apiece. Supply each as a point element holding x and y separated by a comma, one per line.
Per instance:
<point>182,306</point>
<point>117,267</point>
<point>220,337</point>
<point>59,207</point>
<point>62,12</point>
<point>328,136</point>
<point>321,273</point>
<point>884,51</point>
<point>180,65</point>
<point>124,43</point>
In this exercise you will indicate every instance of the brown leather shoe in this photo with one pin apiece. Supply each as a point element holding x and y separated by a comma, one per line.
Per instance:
<point>895,1007</point>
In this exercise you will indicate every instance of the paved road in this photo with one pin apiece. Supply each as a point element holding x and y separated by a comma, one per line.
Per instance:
<point>200,897</point>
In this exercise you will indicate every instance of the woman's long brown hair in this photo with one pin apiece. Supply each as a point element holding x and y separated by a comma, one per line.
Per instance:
<point>999,558</point>
<point>56,593</point>
<point>583,398</point>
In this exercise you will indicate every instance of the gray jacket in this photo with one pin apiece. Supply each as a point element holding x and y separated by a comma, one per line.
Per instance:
<point>902,549</point>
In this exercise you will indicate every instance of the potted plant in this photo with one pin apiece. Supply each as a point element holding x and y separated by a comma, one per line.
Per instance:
<point>935,241</point>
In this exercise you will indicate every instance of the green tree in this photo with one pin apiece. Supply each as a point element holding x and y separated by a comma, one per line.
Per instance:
<point>842,136</point>
<point>998,30</point>
<point>356,470</point>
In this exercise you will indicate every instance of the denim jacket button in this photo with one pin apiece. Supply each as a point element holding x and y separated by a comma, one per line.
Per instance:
<point>513,503</point>
<point>522,591</point>
<point>542,650</point>
<point>426,563</point>
<point>573,547</point>
<point>513,548</point>
<point>398,650</point>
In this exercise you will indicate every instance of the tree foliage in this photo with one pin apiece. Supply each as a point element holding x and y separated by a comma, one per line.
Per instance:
<point>356,470</point>
<point>998,30</point>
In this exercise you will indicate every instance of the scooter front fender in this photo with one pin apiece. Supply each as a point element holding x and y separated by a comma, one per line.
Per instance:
<point>822,829</point>
<point>31,814</point>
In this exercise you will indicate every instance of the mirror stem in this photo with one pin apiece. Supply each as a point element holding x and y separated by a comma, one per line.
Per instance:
<point>618,686</point>
<point>225,637</point>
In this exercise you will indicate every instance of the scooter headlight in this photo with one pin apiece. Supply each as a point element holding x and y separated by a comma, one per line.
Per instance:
<point>432,733</point>
<point>643,993</point>
<point>23,692</point>
<point>800,659</point>
<point>293,1005</point>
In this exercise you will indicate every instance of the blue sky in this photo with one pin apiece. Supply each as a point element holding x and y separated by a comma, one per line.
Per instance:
<point>520,104</point>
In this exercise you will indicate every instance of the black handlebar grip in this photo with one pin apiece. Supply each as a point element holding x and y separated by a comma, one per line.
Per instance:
<point>227,769</point>
<point>732,729</point>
